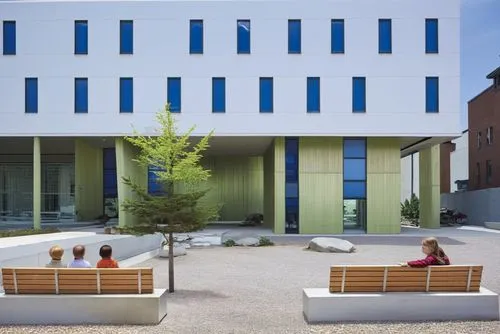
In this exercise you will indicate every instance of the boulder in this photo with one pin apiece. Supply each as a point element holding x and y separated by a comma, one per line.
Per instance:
<point>247,242</point>
<point>331,245</point>
<point>179,250</point>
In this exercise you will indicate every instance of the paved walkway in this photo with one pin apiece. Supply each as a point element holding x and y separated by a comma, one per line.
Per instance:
<point>258,290</point>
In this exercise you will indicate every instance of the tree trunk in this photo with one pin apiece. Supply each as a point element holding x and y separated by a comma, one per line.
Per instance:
<point>170,262</point>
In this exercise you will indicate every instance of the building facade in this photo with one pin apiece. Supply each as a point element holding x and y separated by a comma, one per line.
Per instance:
<point>484,121</point>
<point>313,104</point>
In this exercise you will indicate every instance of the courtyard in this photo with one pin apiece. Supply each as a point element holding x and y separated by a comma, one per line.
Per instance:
<point>259,290</point>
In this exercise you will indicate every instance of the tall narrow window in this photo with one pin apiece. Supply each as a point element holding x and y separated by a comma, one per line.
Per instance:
<point>489,135</point>
<point>126,95</point>
<point>313,95</point>
<point>266,95</point>
<point>359,95</point>
<point>432,94</point>
<point>294,36</point>
<point>478,173</point>
<point>431,36</point>
<point>31,96</point>
<point>81,37</point>
<point>243,32</point>
<point>384,36</point>
<point>292,185</point>
<point>218,95</point>
<point>174,94</point>
<point>196,36</point>
<point>126,37</point>
<point>81,95</point>
<point>9,37</point>
<point>354,150</point>
<point>479,140</point>
<point>489,171</point>
<point>337,36</point>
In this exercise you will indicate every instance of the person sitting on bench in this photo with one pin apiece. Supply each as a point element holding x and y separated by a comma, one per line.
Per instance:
<point>79,261</point>
<point>107,261</point>
<point>56,253</point>
<point>435,255</point>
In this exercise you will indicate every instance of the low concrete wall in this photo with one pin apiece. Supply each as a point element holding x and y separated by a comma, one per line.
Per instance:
<point>480,206</point>
<point>25,254</point>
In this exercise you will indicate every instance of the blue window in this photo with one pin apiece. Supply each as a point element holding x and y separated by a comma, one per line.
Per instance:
<point>294,38</point>
<point>155,187</point>
<point>174,94</point>
<point>384,36</point>
<point>432,94</point>
<point>218,95</point>
<point>81,38</point>
<point>196,36</point>
<point>359,95</point>
<point>354,168</point>
<point>337,45</point>
<point>126,37</point>
<point>292,185</point>
<point>81,95</point>
<point>126,95</point>
<point>354,189</point>
<point>355,148</point>
<point>109,178</point>
<point>31,96</point>
<point>243,36</point>
<point>9,37</point>
<point>313,95</point>
<point>266,95</point>
<point>431,36</point>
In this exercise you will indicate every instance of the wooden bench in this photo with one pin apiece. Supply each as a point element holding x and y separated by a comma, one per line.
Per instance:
<point>395,293</point>
<point>77,281</point>
<point>80,296</point>
<point>453,278</point>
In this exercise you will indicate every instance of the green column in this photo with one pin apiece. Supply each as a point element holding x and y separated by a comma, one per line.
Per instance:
<point>88,181</point>
<point>383,182</point>
<point>429,172</point>
<point>37,184</point>
<point>274,186</point>
<point>320,185</point>
<point>126,167</point>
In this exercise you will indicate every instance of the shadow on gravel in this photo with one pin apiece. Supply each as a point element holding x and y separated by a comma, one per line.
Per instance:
<point>183,295</point>
<point>367,240</point>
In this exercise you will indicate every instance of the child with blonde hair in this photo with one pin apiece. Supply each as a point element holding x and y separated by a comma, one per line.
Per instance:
<point>435,255</point>
<point>56,253</point>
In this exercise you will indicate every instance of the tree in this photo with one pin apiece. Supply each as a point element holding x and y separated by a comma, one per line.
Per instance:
<point>411,209</point>
<point>178,208</point>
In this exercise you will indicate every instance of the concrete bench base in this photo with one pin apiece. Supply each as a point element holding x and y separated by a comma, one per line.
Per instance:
<point>319,305</point>
<point>146,309</point>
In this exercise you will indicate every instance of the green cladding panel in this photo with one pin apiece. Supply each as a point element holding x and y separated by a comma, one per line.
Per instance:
<point>279,185</point>
<point>88,181</point>
<point>429,173</point>
<point>37,184</point>
<point>320,185</point>
<point>383,172</point>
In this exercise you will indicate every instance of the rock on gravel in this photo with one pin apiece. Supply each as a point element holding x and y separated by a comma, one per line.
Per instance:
<point>247,242</point>
<point>331,245</point>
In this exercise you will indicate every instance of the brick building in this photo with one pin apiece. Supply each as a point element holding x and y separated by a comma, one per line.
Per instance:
<point>484,146</point>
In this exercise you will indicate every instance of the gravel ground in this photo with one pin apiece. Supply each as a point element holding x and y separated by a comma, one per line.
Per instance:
<point>259,290</point>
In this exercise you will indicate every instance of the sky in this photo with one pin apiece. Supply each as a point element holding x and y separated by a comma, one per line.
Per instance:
<point>480,47</point>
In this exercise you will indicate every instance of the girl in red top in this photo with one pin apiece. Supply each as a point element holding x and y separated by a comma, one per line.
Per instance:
<point>435,255</point>
<point>106,261</point>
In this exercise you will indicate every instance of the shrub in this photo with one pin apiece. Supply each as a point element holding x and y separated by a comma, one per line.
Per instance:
<point>264,241</point>
<point>229,243</point>
<point>410,209</point>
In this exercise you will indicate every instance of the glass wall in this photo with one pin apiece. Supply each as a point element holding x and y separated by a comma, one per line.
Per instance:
<point>354,183</point>
<point>110,183</point>
<point>292,185</point>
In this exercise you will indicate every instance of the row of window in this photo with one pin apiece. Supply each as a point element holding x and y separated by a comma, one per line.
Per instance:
<point>266,95</point>
<point>243,28</point>
<point>489,137</point>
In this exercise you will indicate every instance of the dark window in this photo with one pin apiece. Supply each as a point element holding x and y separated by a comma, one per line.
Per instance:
<point>337,36</point>
<point>126,95</point>
<point>218,95</point>
<point>294,36</point>
<point>313,95</point>
<point>9,37</point>
<point>431,36</point>
<point>384,36</point>
<point>81,95</point>
<point>243,32</point>
<point>489,135</point>
<point>109,177</point>
<point>489,171</point>
<point>81,37</point>
<point>432,95</point>
<point>126,37</point>
<point>31,96</point>
<point>266,95</point>
<point>359,95</point>
<point>292,185</point>
<point>196,36</point>
<point>174,94</point>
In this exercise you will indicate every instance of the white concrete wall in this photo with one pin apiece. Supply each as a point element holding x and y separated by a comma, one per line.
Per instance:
<point>406,176</point>
<point>480,206</point>
<point>395,82</point>
<point>459,161</point>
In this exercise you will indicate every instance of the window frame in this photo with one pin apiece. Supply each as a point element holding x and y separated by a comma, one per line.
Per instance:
<point>172,83</point>
<point>123,81</point>
<point>28,97</point>
<point>195,49</point>
<point>262,81</point>
<point>215,81</point>
<point>292,36</point>
<point>381,46</point>
<point>77,109</point>
<point>123,49</point>
<point>6,38</point>
<point>313,95</point>
<point>77,50</point>
<point>242,50</point>
<point>332,35</point>
<point>431,37</point>
<point>355,110</point>
<point>429,81</point>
